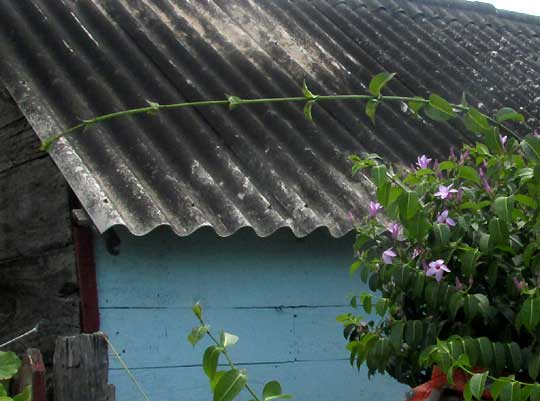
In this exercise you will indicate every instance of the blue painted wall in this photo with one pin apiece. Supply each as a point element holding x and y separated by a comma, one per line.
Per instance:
<point>279,294</point>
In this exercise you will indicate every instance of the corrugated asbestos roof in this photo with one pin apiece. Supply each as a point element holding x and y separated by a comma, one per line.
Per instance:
<point>263,167</point>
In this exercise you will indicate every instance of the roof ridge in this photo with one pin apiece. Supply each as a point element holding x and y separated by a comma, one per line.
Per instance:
<point>483,7</point>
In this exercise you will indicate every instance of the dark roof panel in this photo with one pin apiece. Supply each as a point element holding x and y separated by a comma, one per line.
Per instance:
<point>263,166</point>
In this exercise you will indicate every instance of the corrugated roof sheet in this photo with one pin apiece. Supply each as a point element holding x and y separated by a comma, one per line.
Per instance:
<point>263,167</point>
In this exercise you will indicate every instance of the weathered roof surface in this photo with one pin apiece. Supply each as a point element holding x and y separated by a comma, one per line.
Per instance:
<point>263,167</point>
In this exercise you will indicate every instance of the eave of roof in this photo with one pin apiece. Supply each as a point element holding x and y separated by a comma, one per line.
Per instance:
<point>261,167</point>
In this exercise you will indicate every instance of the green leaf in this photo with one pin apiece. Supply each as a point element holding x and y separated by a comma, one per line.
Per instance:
<point>378,175</point>
<point>413,332</point>
<point>210,360</point>
<point>529,314</point>
<point>498,231</point>
<point>9,365</point>
<point>197,310</point>
<point>227,339</point>
<point>366,302</point>
<point>485,351</point>
<point>382,306</point>
<point>217,377</point>
<point>526,200</point>
<point>371,109</point>
<point>496,388</point>
<point>307,109</point>
<point>469,173</point>
<point>457,301</point>
<point>271,389</point>
<point>409,204</point>
<point>499,354</point>
<point>379,81</point>
<point>417,227</point>
<point>3,391</point>
<point>503,207</point>
<point>508,114</point>
<point>230,385</point>
<point>396,335</point>
<point>387,194</point>
<point>416,105</point>
<point>467,392</point>
<point>511,391</point>
<point>534,366</point>
<point>531,148</point>
<point>535,392</point>
<point>438,109</point>
<point>307,93</point>
<point>468,261</point>
<point>478,383</point>
<point>475,121</point>
<point>485,243</point>
<point>234,102</point>
<point>441,233</point>
<point>25,395</point>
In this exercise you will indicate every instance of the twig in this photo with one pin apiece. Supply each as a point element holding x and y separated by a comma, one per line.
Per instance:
<point>31,331</point>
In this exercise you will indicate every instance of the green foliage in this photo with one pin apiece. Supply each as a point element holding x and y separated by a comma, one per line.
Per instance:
<point>9,366</point>
<point>459,275</point>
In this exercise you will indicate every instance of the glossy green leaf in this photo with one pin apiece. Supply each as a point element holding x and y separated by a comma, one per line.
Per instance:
<point>9,365</point>
<point>371,109</point>
<point>25,395</point>
<point>227,339</point>
<point>366,302</point>
<point>379,175</point>
<point>498,230</point>
<point>535,392</point>
<point>485,351</point>
<point>499,357</point>
<point>529,314</point>
<point>496,388</point>
<point>508,114</point>
<point>531,148</point>
<point>478,384</point>
<point>409,204</point>
<point>467,392</point>
<point>416,105</point>
<point>272,391</point>
<point>379,81</point>
<point>469,259</point>
<point>396,335</point>
<point>534,366</point>
<point>526,201</point>
<point>308,107</point>
<point>441,233</point>
<point>210,360</point>
<point>475,121</point>
<point>457,300</point>
<point>511,391</point>
<point>414,332</point>
<point>513,357</point>
<point>503,206</point>
<point>382,306</point>
<point>417,227</point>
<point>230,385</point>
<point>197,310</point>
<point>307,93</point>
<point>217,377</point>
<point>438,109</point>
<point>469,173</point>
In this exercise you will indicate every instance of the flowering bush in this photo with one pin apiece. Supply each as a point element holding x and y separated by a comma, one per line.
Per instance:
<point>451,250</point>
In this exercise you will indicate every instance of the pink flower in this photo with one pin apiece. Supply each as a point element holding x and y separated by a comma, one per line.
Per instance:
<point>464,156</point>
<point>395,230</point>
<point>374,208</point>
<point>486,185</point>
<point>459,196</point>
<point>388,256</point>
<point>445,191</point>
<point>437,269</point>
<point>518,283</point>
<point>423,162</point>
<point>417,252</point>
<point>452,153</point>
<point>443,218</point>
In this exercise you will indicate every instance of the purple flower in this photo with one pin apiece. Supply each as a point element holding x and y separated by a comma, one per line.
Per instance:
<point>487,187</point>
<point>437,269</point>
<point>445,191</point>
<point>423,162</point>
<point>452,153</point>
<point>374,208</point>
<point>395,230</point>
<point>442,218</point>
<point>459,196</point>
<point>388,256</point>
<point>417,252</point>
<point>503,140</point>
<point>464,156</point>
<point>518,283</point>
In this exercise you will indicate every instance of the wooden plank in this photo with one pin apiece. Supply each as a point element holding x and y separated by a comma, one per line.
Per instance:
<point>9,111</point>
<point>19,145</point>
<point>81,368</point>
<point>34,210</point>
<point>32,373</point>
<point>163,270</point>
<point>84,253</point>
<point>266,335</point>
<point>307,381</point>
<point>35,289</point>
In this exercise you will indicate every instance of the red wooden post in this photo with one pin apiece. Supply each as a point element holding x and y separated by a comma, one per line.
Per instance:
<point>31,373</point>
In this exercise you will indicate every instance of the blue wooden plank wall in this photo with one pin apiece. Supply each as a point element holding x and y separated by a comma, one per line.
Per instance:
<point>279,294</point>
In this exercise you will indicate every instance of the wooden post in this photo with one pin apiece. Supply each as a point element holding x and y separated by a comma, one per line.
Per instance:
<point>81,368</point>
<point>31,373</point>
